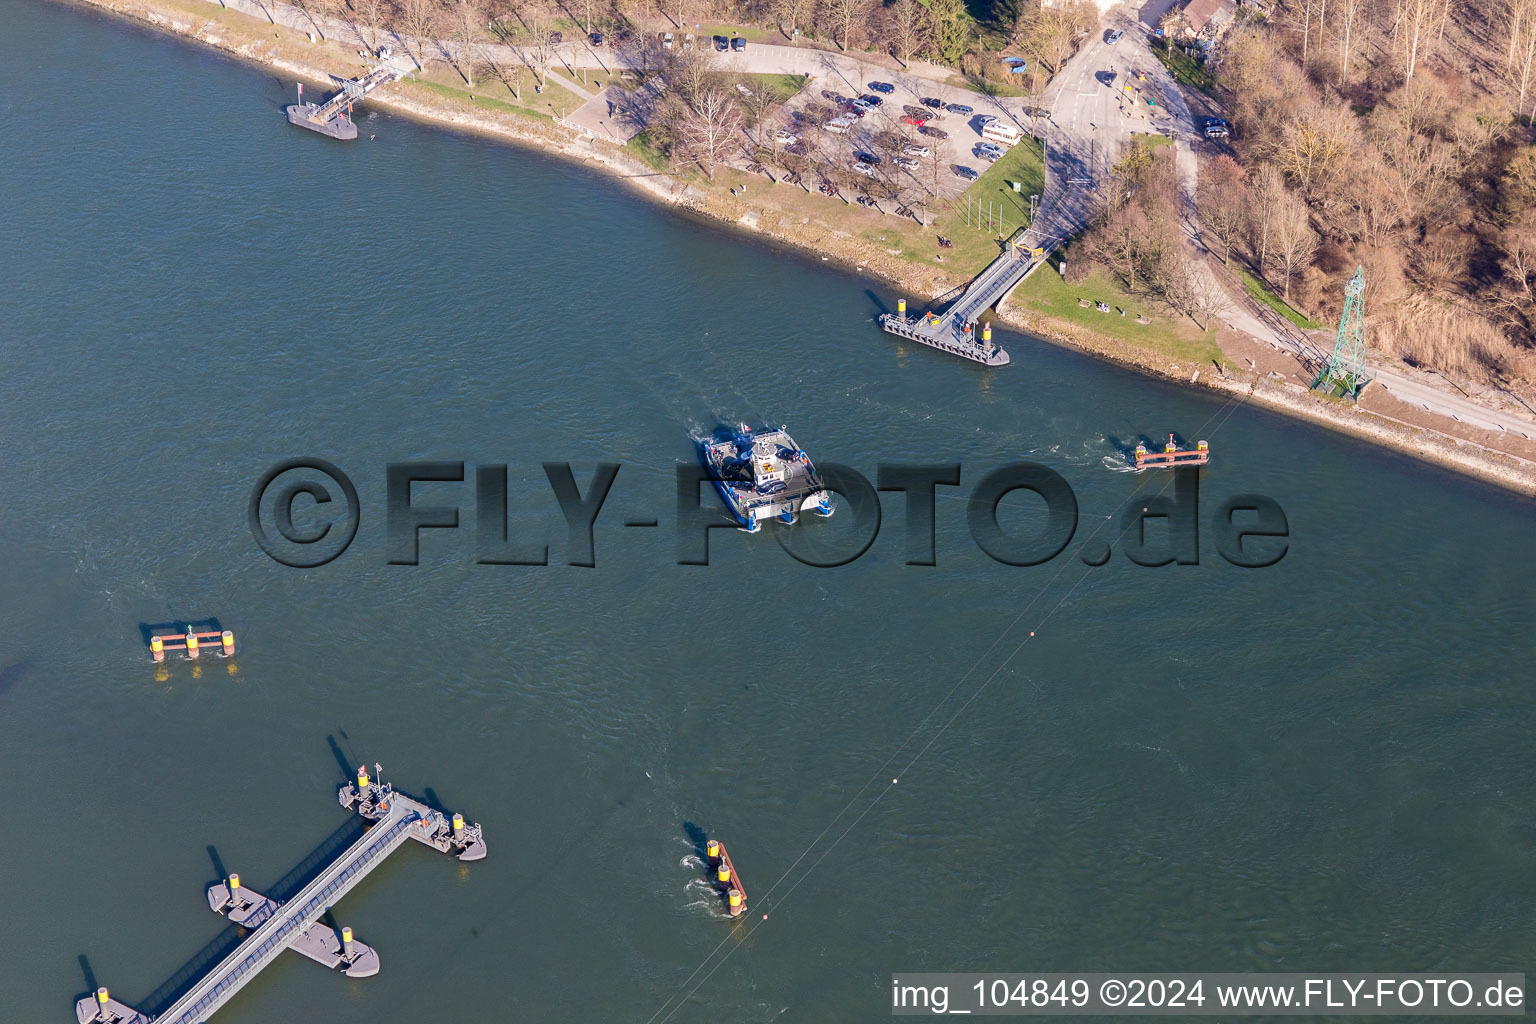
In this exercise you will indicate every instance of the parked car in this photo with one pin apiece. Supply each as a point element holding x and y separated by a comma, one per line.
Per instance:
<point>930,101</point>
<point>597,39</point>
<point>865,169</point>
<point>688,41</point>
<point>738,44</point>
<point>984,120</point>
<point>885,87</point>
<point>873,101</point>
<point>838,125</point>
<point>989,147</point>
<point>556,38</point>
<point>959,108</point>
<point>961,171</point>
<point>854,112</point>
<point>866,158</point>
<point>1114,36</point>
<point>785,137</point>
<point>666,40</point>
<point>912,149</point>
<point>914,119</point>
<point>908,163</point>
<point>932,132</point>
<point>722,44</point>
<point>1214,127</point>
<point>991,156</point>
<point>861,103</point>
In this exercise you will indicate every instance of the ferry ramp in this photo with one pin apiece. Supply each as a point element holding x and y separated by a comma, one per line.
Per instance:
<point>952,331</point>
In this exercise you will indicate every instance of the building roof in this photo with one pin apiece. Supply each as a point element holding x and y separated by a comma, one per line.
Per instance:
<point>1208,15</point>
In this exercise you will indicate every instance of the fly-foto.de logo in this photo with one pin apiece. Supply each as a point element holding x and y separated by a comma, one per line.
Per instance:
<point>305,513</point>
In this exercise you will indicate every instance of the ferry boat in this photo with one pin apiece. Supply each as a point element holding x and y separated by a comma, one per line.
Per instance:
<point>761,474</point>
<point>1172,455</point>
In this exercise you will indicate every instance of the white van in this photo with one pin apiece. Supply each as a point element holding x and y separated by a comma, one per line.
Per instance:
<point>1003,132</point>
<point>838,126</point>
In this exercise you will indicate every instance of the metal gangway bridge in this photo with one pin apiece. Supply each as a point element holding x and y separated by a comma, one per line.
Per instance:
<point>296,923</point>
<point>953,330</point>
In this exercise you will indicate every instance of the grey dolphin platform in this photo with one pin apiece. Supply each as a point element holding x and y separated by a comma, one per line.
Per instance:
<point>295,924</point>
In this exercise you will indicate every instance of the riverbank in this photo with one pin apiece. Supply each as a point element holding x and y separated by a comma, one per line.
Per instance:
<point>294,54</point>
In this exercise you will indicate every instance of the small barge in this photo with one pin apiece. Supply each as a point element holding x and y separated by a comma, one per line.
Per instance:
<point>1172,455</point>
<point>192,643</point>
<point>763,473</point>
<point>723,874</point>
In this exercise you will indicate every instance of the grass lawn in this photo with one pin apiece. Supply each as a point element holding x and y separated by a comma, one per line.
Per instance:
<point>509,105</point>
<point>976,242</point>
<point>642,148</point>
<point>990,86</point>
<point>751,35</point>
<point>1259,290</point>
<point>1186,70</point>
<point>1045,292</point>
<point>781,86</point>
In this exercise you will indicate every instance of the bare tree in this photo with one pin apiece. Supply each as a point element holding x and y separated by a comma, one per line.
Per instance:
<point>1266,191</point>
<point>1314,143</point>
<point>1415,21</point>
<point>1221,196</point>
<point>417,20</point>
<point>1520,65</point>
<point>539,49</point>
<point>1293,241</point>
<point>908,27</point>
<point>1517,243</point>
<point>1188,286</point>
<point>316,11</point>
<point>712,127</point>
<point>688,72</point>
<point>370,15</point>
<point>788,13</point>
<point>1050,37</point>
<point>843,13</point>
<point>1350,14</point>
<point>464,21</point>
<point>756,104</point>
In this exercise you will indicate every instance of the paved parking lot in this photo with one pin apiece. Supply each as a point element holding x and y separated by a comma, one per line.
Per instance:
<point>962,131</point>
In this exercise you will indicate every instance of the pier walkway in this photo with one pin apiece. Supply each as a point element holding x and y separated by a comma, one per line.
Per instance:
<point>953,330</point>
<point>295,924</point>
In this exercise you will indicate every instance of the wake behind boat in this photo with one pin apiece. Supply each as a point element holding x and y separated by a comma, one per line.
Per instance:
<point>763,473</point>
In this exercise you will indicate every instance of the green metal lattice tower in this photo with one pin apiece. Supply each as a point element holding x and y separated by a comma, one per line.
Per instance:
<point>1344,376</point>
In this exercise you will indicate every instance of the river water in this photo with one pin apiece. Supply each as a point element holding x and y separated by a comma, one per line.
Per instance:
<point>1320,765</point>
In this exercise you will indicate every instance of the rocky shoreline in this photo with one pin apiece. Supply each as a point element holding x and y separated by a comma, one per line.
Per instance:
<point>1462,455</point>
